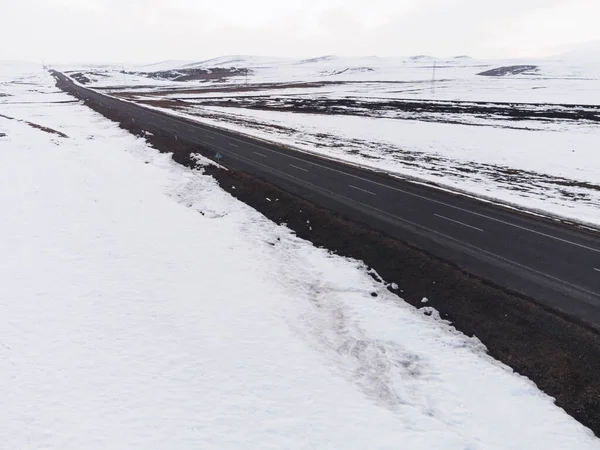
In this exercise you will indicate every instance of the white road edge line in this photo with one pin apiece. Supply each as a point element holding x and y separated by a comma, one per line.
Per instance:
<point>260,154</point>
<point>363,190</point>
<point>456,221</point>
<point>232,144</point>
<point>299,168</point>
<point>597,270</point>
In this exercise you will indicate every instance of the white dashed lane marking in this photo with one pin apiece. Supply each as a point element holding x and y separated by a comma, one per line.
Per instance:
<point>363,190</point>
<point>456,221</point>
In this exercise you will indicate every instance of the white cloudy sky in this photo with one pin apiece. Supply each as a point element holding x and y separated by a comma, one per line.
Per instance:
<point>151,30</point>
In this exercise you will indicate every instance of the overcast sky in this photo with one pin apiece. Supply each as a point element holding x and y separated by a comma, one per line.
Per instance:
<point>153,30</point>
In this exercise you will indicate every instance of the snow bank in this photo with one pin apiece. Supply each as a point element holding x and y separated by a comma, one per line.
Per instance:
<point>143,307</point>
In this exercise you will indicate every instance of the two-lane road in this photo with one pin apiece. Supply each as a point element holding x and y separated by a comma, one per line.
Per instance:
<point>557,265</point>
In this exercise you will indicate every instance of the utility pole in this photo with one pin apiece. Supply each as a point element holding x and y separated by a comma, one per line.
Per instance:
<point>433,77</point>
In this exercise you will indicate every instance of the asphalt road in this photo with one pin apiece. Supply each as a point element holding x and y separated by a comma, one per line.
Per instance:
<point>557,265</point>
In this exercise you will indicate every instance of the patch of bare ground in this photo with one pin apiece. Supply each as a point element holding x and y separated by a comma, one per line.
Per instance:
<point>195,74</point>
<point>80,78</point>
<point>36,126</point>
<point>510,70</point>
<point>40,103</point>
<point>46,129</point>
<point>426,110</point>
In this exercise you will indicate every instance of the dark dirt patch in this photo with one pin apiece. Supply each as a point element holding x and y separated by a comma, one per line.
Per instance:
<point>421,109</point>
<point>80,77</point>
<point>561,357</point>
<point>510,70</point>
<point>2,135</point>
<point>46,129</point>
<point>36,126</point>
<point>212,74</point>
<point>348,70</point>
<point>39,103</point>
<point>247,87</point>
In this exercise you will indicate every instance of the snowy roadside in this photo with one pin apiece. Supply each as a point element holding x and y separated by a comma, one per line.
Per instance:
<point>143,307</point>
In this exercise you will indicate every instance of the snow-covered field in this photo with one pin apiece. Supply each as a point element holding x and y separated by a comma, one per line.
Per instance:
<point>143,307</point>
<point>568,79</point>
<point>530,148</point>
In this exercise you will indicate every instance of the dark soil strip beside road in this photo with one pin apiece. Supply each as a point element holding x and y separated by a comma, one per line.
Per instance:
<point>36,126</point>
<point>561,357</point>
<point>46,129</point>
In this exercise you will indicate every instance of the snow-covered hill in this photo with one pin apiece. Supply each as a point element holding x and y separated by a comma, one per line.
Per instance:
<point>571,78</point>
